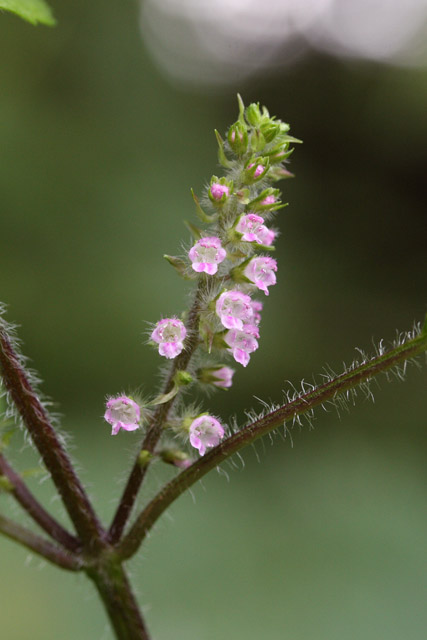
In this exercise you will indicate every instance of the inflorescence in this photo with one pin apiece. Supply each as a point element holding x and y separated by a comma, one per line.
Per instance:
<point>230,262</point>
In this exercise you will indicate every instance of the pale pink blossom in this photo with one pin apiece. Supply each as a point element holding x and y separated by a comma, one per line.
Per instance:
<point>205,431</point>
<point>122,413</point>
<point>169,334</point>
<point>223,378</point>
<point>206,254</point>
<point>257,308</point>
<point>218,190</point>
<point>261,271</point>
<point>253,229</point>
<point>234,309</point>
<point>242,343</point>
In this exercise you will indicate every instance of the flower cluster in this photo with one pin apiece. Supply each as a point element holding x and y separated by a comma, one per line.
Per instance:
<point>229,258</point>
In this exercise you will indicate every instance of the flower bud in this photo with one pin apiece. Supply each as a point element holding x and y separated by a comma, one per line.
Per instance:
<point>219,190</point>
<point>253,114</point>
<point>182,378</point>
<point>175,457</point>
<point>238,138</point>
<point>219,376</point>
<point>255,170</point>
<point>270,130</point>
<point>267,200</point>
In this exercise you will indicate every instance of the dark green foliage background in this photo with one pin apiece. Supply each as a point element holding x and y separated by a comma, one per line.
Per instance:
<point>98,152</point>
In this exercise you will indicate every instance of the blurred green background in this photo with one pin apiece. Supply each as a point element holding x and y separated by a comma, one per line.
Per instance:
<point>98,151</point>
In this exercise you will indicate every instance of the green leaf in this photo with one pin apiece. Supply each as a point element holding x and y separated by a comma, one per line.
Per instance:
<point>204,217</point>
<point>222,158</point>
<point>33,11</point>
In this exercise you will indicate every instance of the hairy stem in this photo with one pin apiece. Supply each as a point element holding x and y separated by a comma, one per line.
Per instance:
<point>159,418</point>
<point>121,606</point>
<point>39,545</point>
<point>47,442</point>
<point>31,505</point>
<point>304,403</point>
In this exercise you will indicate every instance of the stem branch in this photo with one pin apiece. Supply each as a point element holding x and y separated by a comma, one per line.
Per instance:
<point>154,430</point>
<point>121,606</point>
<point>31,505</point>
<point>39,545</point>
<point>304,403</point>
<point>47,442</point>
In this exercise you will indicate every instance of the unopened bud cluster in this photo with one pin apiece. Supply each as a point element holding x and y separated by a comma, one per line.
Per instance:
<point>231,262</point>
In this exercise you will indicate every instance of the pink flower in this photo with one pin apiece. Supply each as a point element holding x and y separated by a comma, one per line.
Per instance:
<point>206,254</point>
<point>205,431</point>
<point>242,343</point>
<point>169,334</point>
<point>223,377</point>
<point>234,309</point>
<point>257,308</point>
<point>218,190</point>
<point>262,272</point>
<point>254,230</point>
<point>122,413</point>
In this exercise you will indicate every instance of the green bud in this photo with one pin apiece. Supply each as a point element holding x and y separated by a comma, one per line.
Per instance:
<point>5,484</point>
<point>182,378</point>
<point>270,130</point>
<point>253,114</point>
<point>144,458</point>
<point>175,457</point>
<point>257,141</point>
<point>278,154</point>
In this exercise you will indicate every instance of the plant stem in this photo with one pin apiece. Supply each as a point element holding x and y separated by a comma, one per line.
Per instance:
<point>154,430</point>
<point>47,442</point>
<point>121,606</point>
<point>39,545</point>
<point>31,505</point>
<point>304,403</point>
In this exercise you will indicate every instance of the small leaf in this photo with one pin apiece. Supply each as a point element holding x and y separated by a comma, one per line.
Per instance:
<point>195,231</point>
<point>222,158</point>
<point>204,217</point>
<point>180,267</point>
<point>33,11</point>
<point>165,397</point>
<point>241,109</point>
